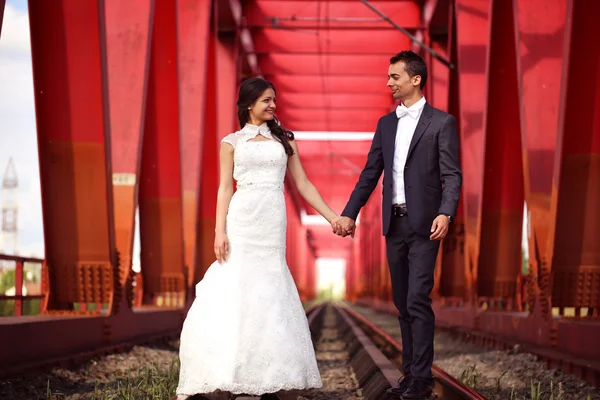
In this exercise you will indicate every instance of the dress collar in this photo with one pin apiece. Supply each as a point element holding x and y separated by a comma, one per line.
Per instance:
<point>254,130</point>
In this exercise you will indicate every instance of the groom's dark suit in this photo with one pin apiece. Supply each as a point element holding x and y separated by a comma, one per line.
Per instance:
<point>432,181</point>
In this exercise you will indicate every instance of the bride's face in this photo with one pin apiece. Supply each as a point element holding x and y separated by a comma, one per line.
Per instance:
<point>264,107</point>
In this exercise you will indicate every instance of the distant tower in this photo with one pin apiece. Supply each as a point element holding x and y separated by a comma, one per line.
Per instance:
<point>10,209</point>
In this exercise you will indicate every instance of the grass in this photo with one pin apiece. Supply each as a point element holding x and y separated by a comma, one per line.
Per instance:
<point>149,383</point>
<point>470,377</point>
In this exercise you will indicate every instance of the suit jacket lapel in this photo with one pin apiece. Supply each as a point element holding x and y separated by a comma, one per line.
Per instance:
<point>424,122</point>
<point>390,130</point>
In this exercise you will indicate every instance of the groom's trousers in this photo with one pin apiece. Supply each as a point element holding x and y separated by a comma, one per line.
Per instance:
<point>411,258</point>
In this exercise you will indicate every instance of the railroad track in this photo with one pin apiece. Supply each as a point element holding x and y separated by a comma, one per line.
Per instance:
<point>375,358</point>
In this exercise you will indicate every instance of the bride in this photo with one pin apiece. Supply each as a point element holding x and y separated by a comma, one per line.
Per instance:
<point>246,331</point>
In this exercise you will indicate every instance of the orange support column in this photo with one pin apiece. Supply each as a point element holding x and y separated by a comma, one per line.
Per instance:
<point>128,33</point>
<point>209,169</point>
<point>67,45</point>
<point>450,273</point>
<point>574,250</point>
<point>161,230</point>
<point>472,28</point>
<point>539,62</point>
<point>501,220</point>
<point>193,31</point>
<point>227,84</point>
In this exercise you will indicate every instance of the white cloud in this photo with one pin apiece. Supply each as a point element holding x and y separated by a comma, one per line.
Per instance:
<point>18,137</point>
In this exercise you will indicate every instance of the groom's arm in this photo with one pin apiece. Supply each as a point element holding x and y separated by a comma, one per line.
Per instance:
<point>451,174</point>
<point>368,177</point>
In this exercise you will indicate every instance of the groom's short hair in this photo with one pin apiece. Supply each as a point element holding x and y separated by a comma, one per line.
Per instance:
<point>415,65</point>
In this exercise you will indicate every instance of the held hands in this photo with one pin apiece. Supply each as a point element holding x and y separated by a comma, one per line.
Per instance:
<point>439,228</point>
<point>221,246</point>
<point>343,226</point>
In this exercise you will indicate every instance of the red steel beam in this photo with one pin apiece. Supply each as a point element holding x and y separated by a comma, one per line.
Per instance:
<point>193,31</point>
<point>370,115</point>
<point>325,64</point>
<point>335,14</point>
<point>364,84</point>
<point>227,84</point>
<point>451,282</point>
<point>573,251</point>
<point>161,230</point>
<point>128,32</point>
<point>2,5</point>
<point>334,100</point>
<point>209,178</point>
<point>245,37</point>
<point>540,42</point>
<point>335,126</point>
<point>473,27</point>
<point>332,41</point>
<point>501,218</point>
<point>67,46</point>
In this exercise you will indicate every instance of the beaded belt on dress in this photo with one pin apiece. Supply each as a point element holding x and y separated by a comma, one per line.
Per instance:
<point>260,185</point>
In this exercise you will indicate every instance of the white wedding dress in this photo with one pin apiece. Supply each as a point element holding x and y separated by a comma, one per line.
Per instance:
<point>247,331</point>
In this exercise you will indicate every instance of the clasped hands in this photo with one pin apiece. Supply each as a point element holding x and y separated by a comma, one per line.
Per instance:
<point>344,226</point>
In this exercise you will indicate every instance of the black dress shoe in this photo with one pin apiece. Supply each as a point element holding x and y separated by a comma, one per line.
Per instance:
<point>403,384</point>
<point>269,396</point>
<point>418,390</point>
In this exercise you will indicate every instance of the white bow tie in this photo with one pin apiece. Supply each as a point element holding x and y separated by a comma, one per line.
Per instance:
<point>401,111</point>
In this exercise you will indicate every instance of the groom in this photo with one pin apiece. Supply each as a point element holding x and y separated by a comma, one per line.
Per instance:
<point>417,147</point>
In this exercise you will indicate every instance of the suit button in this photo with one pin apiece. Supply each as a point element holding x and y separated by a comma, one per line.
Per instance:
<point>406,167</point>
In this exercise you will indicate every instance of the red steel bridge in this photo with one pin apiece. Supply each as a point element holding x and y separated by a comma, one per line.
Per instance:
<point>132,98</point>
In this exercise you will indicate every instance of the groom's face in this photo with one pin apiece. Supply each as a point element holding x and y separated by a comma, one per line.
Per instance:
<point>400,83</point>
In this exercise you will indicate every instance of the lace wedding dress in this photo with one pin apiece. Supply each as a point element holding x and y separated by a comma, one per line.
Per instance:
<point>246,331</point>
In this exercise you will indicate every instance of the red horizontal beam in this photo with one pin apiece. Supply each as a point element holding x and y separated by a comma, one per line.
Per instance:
<point>335,126</point>
<point>295,14</point>
<point>334,84</point>
<point>370,115</point>
<point>310,64</point>
<point>315,148</point>
<point>319,100</point>
<point>332,41</point>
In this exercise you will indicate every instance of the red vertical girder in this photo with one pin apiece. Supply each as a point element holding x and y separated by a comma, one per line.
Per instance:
<point>574,250</point>
<point>227,84</point>
<point>439,76</point>
<point>472,28</point>
<point>67,46</point>
<point>303,261</point>
<point>2,5</point>
<point>209,169</point>
<point>311,275</point>
<point>161,230</point>
<point>128,32</point>
<point>450,271</point>
<point>18,288</point>
<point>540,42</point>
<point>573,243</point>
<point>193,31</point>
<point>501,221</point>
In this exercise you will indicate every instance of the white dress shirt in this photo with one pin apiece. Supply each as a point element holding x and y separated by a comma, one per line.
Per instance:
<point>408,118</point>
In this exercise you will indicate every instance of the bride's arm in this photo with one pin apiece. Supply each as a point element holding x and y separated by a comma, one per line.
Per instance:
<point>305,187</point>
<point>225,186</point>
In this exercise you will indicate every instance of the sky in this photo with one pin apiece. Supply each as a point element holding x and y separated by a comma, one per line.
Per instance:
<point>18,129</point>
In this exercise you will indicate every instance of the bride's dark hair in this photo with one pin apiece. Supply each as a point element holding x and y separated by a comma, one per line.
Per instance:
<point>250,90</point>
